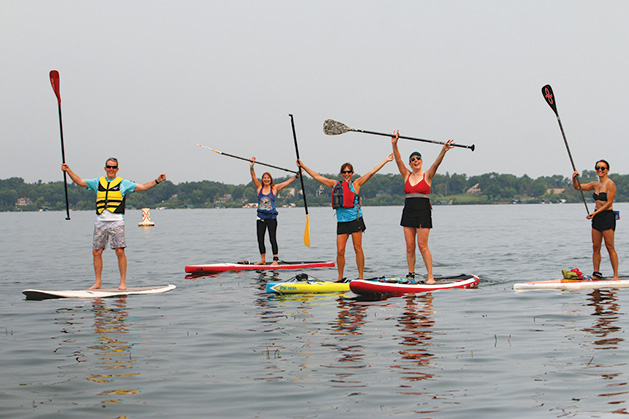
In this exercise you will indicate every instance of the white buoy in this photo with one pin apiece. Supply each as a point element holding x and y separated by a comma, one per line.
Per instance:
<point>146,220</point>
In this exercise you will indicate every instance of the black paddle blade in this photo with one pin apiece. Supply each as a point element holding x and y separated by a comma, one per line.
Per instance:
<point>332,127</point>
<point>548,94</point>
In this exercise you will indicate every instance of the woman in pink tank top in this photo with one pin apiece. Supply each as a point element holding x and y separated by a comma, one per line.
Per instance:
<point>417,213</point>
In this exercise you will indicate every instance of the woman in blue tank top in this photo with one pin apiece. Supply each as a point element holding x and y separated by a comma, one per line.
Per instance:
<point>267,213</point>
<point>349,220</point>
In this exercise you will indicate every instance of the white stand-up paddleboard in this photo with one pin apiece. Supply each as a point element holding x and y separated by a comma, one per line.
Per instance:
<point>100,293</point>
<point>572,284</point>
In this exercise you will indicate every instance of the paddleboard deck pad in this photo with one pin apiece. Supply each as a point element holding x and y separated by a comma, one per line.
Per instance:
<point>100,293</point>
<point>224,267</point>
<point>573,284</point>
<point>398,286</point>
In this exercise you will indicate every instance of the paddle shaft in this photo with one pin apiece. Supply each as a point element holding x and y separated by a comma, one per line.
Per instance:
<point>572,163</point>
<point>471,147</point>
<point>303,191</point>
<point>549,96</point>
<point>54,81</point>
<point>257,162</point>
<point>249,160</point>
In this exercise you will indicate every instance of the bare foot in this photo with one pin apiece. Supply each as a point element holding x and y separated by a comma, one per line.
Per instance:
<point>95,287</point>
<point>122,288</point>
<point>430,281</point>
<point>339,280</point>
<point>275,262</point>
<point>262,262</point>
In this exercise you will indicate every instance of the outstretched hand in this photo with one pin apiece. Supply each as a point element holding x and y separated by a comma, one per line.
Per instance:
<point>395,136</point>
<point>449,145</point>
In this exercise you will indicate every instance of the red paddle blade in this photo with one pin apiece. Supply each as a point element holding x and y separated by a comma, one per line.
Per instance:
<point>548,94</point>
<point>54,80</point>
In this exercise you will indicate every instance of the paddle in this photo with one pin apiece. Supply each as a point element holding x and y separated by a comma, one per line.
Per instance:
<point>548,94</point>
<point>245,159</point>
<point>54,80</point>
<point>332,127</point>
<point>303,190</point>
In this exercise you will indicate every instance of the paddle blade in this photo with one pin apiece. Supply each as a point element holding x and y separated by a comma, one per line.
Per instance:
<point>548,94</point>
<point>54,81</point>
<point>307,232</point>
<point>332,127</point>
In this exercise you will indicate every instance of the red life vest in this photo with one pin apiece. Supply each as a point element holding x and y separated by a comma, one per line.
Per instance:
<point>342,196</point>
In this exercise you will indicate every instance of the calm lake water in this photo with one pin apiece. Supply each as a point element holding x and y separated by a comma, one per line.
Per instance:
<point>220,346</point>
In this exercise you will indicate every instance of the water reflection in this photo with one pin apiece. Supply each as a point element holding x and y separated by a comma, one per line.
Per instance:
<point>415,325</point>
<point>112,350</point>
<point>608,337</point>
<point>605,304</point>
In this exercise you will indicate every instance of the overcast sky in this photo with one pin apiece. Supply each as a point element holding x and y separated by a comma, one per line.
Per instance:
<point>146,81</point>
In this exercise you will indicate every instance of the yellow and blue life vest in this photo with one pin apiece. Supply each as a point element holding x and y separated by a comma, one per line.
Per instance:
<point>109,197</point>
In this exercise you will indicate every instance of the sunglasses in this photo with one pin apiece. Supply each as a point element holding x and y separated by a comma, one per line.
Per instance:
<point>412,159</point>
<point>601,168</point>
<point>111,167</point>
<point>346,171</point>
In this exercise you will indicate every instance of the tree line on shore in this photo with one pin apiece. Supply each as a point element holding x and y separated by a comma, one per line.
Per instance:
<point>382,189</point>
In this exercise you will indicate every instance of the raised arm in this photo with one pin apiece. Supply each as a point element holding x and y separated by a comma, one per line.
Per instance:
<point>364,178</point>
<point>255,180</point>
<point>430,173</point>
<point>149,185</point>
<point>398,158</point>
<point>316,176</point>
<point>284,184</point>
<point>76,179</point>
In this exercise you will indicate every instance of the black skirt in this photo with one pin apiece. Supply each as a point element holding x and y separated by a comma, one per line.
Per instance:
<point>351,227</point>
<point>417,213</point>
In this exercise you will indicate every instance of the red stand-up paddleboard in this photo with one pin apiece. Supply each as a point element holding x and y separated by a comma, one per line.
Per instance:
<point>397,286</point>
<point>224,267</point>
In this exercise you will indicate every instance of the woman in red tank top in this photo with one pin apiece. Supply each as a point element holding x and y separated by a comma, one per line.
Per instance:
<point>416,216</point>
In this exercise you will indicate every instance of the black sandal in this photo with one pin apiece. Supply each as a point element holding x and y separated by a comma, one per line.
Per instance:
<point>597,275</point>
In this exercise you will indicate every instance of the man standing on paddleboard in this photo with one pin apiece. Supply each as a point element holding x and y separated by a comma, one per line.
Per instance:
<point>111,192</point>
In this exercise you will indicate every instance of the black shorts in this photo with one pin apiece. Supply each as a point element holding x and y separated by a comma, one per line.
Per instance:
<point>605,220</point>
<point>417,213</point>
<point>350,227</point>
